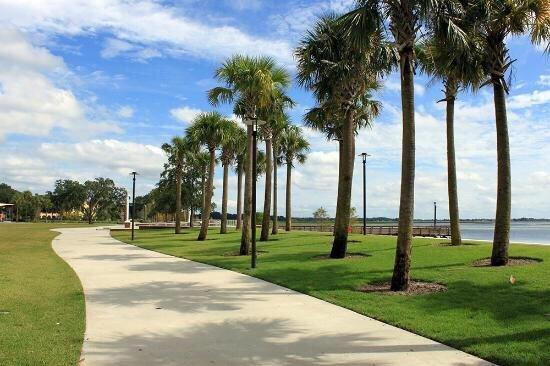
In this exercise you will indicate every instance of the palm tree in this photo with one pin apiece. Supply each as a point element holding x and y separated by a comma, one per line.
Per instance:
<point>293,148</point>
<point>403,19</point>
<point>231,146</point>
<point>239,170</point>
<point>272,115</point>
<point>458,68</point>
<point>251,83</point>
<point>197,164</point>
<point>277,127</point>
<point>176,152</point>
<point>341,77</point>
<point>494,21</point>
<point>209,129</point>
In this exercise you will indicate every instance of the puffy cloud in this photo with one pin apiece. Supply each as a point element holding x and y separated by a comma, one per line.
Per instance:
<point>30,101</point>
<point>110,157</point>
<point>185,114</point>
<point>125,111</point>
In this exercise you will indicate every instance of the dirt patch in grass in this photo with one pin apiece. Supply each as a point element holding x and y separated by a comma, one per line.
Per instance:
<point>415,288</point>
<point>512,261</point>
<point>348,256</point>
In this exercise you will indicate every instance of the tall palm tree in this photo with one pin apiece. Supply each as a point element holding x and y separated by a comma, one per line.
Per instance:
<point>209,129</point>
<point>272,115</point>
<point>403,19</point>
<point>341,77</point>
<point>230,146</point>
<point>239,170</point>
<point>278,126</point>
<point>251,83</point>
<point>197,164</point>
<point>176,152</point>
<point>494,21</point>
<point>293,148</point>
<point>458,68</point>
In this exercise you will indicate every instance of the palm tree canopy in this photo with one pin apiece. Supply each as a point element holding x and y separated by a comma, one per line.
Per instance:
<point>233,144</point>
<point>251,82</point>
<point>341,76</point>
<point>293,145</point>
<point>209,129</point>
<point>494,20</point>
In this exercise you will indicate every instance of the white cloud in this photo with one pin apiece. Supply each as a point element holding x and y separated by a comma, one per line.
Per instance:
<point>544,80</point>
<point>30,101</point>
<point>145,25</point>
<point>528,100</point>
<point>185,114</point>
<point>111,157</point>
<point>125,111</point>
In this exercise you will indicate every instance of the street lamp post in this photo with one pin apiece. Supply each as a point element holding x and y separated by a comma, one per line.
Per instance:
<point>133,201</point>
<point>364,155</point>
<point>254,122</point>
<point>435,214</point>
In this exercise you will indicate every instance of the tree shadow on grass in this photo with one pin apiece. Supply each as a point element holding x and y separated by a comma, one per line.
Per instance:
<point>260,342</point>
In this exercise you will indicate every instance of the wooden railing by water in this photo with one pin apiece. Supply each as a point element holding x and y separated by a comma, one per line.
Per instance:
<point>438,231</point>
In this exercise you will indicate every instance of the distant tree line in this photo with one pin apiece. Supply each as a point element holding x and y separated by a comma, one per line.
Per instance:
<point>98,199</point>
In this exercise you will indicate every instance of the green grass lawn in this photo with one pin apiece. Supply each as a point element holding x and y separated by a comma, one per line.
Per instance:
<point>481,312</point>
<point>42,313</point>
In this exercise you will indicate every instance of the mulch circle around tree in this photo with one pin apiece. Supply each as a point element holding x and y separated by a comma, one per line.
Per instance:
<point>415,288</point>
<point>237,254</point>
<point>512,261</point>
<point>348,256</point>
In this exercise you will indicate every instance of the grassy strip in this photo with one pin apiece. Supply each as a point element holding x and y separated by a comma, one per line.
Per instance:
<point>481,312</point>
<point>42,314</point>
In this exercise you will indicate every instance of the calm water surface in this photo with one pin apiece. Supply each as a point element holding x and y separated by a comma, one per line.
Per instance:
<point>520,232</point>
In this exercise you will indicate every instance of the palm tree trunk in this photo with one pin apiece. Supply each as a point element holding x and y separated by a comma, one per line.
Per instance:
<point>203,196</point>
<point>501,238</point>
<point>178,199</point>
<point>401,269</point>
<point>275,227</point>
<point>208,197</point>
<point>451,166</point>
<point>288,214</point>
<point>223,226</point>
<point>340,149</point>
<point>239,197</point>
<point>264,236</point>
<point>246,232</point>
<point>341,224</point>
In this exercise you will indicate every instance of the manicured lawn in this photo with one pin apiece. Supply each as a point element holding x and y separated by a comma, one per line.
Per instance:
<point>481,312</point>
<point>42,312</point>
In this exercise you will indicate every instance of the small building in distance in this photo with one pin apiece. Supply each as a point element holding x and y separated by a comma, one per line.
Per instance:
<point>7,212</point>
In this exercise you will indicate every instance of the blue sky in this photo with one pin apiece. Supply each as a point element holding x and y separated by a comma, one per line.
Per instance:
<point>93,88</point>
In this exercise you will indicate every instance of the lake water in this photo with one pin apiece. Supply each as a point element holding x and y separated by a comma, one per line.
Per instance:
<point>520,232</point>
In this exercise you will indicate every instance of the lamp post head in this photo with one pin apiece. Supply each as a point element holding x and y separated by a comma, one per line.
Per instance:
<point>364,155</point>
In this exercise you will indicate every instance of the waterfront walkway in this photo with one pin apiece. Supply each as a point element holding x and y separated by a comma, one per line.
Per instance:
<point>147,308</point>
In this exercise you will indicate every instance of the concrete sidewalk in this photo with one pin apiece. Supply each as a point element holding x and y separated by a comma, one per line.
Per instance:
<point>146,308</point>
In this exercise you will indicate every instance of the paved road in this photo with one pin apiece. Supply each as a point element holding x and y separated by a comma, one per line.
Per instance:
<point>146,308</point>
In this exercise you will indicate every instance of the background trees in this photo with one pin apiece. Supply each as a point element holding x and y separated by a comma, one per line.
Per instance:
<point>176,152</point>
<point>102,199</point>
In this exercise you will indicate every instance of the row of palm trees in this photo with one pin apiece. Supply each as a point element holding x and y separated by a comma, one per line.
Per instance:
<point>213,138</point>
<point>343,61</point>
<point>461,42</point>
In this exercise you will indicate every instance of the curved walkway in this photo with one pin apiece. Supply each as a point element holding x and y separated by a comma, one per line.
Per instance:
<point>146,308</point>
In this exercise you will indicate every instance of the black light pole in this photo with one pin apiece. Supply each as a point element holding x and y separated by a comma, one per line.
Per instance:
<point>364,155</point>
<point>435,214</point>
<point>133,201</point>
<point>254,122</point>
